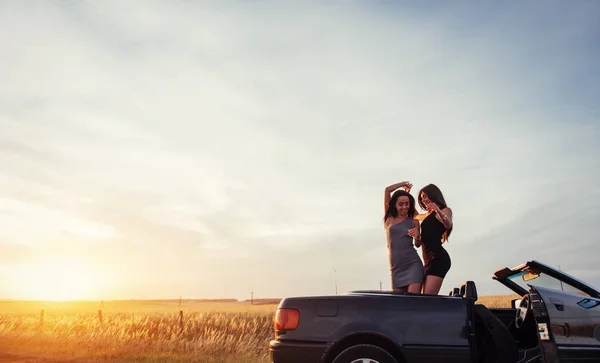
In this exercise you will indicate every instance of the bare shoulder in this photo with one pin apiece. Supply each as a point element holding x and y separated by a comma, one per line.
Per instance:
<point>386,223</point>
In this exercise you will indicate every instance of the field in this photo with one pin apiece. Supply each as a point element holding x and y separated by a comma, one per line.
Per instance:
<point>142,331</point>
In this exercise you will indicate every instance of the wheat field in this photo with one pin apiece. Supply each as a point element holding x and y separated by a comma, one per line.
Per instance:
<point>142,331</point>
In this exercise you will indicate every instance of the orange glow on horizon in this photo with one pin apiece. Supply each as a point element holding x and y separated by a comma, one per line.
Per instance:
<point>58,280</point>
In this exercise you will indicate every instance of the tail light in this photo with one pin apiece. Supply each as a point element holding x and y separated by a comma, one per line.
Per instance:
<point>286,319</point>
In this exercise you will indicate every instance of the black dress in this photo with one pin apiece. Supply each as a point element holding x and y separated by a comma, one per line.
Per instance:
<point>436,259</point>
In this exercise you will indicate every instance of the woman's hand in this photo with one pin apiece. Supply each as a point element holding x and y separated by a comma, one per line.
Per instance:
<point>432,207</point>
<point>406,186</point>
<point>415,233</point>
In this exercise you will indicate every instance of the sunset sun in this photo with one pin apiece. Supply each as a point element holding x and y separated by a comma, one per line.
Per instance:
<point>58,280</point>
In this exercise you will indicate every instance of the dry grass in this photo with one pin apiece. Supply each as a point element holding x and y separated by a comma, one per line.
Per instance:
<point>142,331</point>
<point>502,301</point>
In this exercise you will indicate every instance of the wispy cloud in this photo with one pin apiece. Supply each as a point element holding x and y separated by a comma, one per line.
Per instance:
<point>240,144</point>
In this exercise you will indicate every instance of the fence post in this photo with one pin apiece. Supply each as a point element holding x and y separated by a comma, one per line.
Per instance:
<point>100,311</point>
<point>180,317</point>
<point>180,321</point>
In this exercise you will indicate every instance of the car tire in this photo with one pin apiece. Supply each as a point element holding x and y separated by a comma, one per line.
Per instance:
<point>372,354</point>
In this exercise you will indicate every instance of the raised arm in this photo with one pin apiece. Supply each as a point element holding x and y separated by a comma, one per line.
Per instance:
<point>443,215</point>
<point>391,188</point>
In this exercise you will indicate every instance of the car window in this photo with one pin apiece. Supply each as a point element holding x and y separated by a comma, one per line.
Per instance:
<point>524,278</point>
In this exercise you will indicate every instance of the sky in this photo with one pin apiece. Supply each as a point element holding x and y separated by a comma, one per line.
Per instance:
<point>217,149</point>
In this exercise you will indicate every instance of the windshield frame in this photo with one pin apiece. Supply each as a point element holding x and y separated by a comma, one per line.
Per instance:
<point>505,276</point>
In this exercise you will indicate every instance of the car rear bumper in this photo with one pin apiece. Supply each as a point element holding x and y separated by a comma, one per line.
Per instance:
<point>297,352</point>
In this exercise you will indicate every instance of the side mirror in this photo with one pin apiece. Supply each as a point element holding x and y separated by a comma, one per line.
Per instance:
<point>515,303</point>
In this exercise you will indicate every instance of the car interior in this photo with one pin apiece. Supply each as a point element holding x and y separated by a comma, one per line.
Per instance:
<point>497,339</point>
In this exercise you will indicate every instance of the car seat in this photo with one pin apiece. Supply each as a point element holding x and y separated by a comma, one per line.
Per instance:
<point>494,335</point>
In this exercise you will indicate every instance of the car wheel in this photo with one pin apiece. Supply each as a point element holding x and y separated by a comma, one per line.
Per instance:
<point>364,353</point>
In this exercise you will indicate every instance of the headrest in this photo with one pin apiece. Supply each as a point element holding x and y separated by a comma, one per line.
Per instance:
<point>469,291</point>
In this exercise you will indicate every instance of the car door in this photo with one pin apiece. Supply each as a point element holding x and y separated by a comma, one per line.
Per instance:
<point>574,324</point>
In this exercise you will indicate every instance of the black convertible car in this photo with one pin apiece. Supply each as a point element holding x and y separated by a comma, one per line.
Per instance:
<point>557,319</point>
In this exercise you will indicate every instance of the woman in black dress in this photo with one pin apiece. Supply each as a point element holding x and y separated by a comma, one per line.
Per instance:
<point>435,230</point>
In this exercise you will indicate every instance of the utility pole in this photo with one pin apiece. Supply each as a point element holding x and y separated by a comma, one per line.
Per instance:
<point>335,281</point>
<point>380,286</point>
<point>252,298</point>
<point>561,284</point>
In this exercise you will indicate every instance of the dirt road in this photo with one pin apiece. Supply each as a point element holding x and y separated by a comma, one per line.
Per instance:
<point>11,358</point>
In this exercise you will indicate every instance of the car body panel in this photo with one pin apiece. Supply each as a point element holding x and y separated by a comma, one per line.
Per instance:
<point>572,306</point>
<point>297,352</point>
<point>440,328</point>
<point>423,326</point>
<point>573,321</point>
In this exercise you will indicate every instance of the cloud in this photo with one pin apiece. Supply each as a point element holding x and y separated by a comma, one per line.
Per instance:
<point>217,139</point>
<point>18,216</point>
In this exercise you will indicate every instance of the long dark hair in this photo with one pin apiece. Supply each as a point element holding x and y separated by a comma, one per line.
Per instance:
<point>392,212</point>
<point>435,195</point>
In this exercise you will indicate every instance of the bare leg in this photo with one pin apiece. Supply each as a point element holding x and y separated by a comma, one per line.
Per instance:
<point>399,289</point>
<point>432,285</point>
<point>414,288</point>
